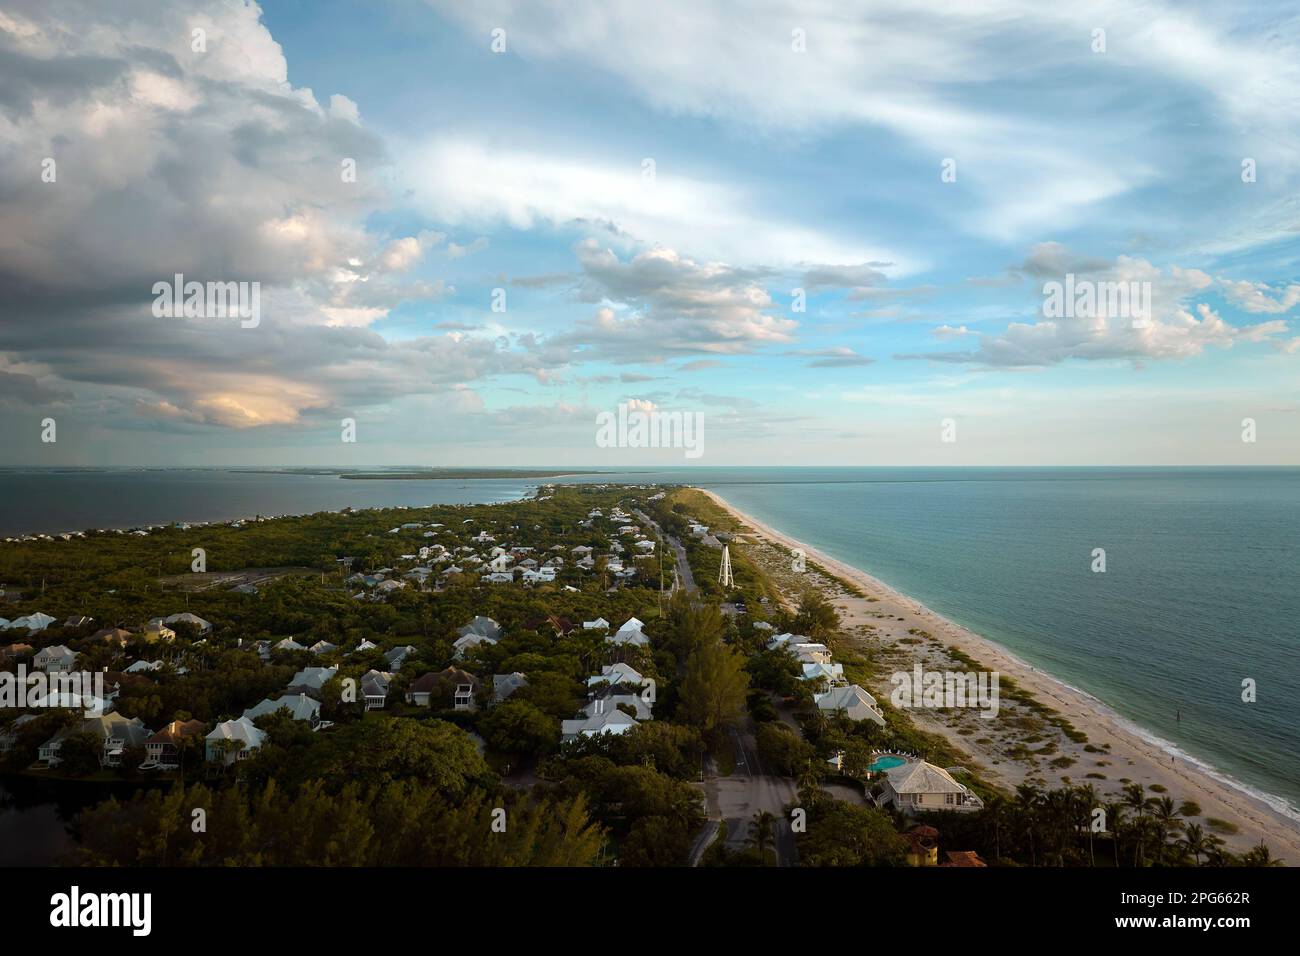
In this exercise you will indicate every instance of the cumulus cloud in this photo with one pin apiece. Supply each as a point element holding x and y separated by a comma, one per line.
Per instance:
<point>1260,297</point>
<point>207,163</point>
<point>1175,328</point>
<point>659,303</point>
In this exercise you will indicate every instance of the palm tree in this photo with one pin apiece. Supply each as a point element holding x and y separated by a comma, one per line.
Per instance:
<point>1026,804</point>
<point>1260,856</point>
<point>760,831</point>
<point>1135,800</point>
<point>1194,842</point>
<point>1115,818</point>
<point>1087,795</point>
<point>809,785</point>
<point>995,813</point>
<point>1165,823</point>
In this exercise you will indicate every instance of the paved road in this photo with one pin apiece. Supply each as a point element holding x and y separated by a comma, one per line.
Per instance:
<point>683,566</point>
<point>747,791</point>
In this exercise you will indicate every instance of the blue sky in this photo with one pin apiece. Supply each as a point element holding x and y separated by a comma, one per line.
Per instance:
<point>794,147</point>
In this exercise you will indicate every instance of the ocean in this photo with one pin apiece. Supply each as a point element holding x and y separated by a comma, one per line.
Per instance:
<point>1199,594</point>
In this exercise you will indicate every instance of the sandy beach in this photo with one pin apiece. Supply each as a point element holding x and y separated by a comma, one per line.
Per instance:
<point>898,631</point>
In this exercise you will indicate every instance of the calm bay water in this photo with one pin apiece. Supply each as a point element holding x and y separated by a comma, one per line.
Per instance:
<point>1200,590</point>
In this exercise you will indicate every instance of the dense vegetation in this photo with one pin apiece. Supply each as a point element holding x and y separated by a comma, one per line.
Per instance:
<point>495,785</point>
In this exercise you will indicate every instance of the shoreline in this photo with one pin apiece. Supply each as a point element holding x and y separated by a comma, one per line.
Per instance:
<point>1146,758</point>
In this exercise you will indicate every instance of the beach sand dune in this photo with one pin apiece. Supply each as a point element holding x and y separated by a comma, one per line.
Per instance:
<point>887,623</point>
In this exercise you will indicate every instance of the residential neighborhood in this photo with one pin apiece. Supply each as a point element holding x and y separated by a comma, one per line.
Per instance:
<point>577,652</point>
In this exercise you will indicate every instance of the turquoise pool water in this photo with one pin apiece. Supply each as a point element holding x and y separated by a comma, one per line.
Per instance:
<point>886,762</point>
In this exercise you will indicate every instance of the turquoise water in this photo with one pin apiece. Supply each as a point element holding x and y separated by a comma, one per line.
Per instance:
<point>1200,590</point>
<point>885,763</point>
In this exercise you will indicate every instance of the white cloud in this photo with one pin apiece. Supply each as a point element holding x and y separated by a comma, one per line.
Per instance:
<point>462,181</point>
<point>1259,297</point>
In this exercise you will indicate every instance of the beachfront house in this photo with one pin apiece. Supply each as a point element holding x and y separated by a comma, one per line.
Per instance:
<point>918,786</point>
<point>810,653</point>
<point>832,674</point>
<point>851,701</point>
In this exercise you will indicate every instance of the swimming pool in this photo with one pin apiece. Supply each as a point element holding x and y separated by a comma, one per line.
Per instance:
<point>886,762</point>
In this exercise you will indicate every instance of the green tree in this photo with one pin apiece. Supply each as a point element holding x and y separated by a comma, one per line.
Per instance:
<point>517,726</point>
<point>760,833</point>
<point>842,834</point>
<point>816,616</point>
<point>713,690</point>
<point>80,754</point>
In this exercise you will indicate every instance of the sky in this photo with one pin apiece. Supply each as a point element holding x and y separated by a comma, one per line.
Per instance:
<point>829,232</point>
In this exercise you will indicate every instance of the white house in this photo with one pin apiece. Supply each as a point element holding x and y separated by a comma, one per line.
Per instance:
<point>810,653</point>
<point>854,702</point>
<point>299,707</point>
<point>616,674</point>
<point>398,655</point>
<point>313,678</point>
<point>609,722</point>
<point>233,740</point>
<point>918,785</point>
<point>116,731</point>
<point>374,687</point>
<point>600,624</point>
<point>32,622</point>
<point>630,633</point>
<point>833,674</point>
<point>481,625</point>
<point>289,644</point>
<point>185,617</point>
<point>642,709</point>
<point>55,660</point>
<point>464,645</point>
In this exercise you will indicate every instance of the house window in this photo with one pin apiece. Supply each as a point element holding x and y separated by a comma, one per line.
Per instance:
<point>950,798</point>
